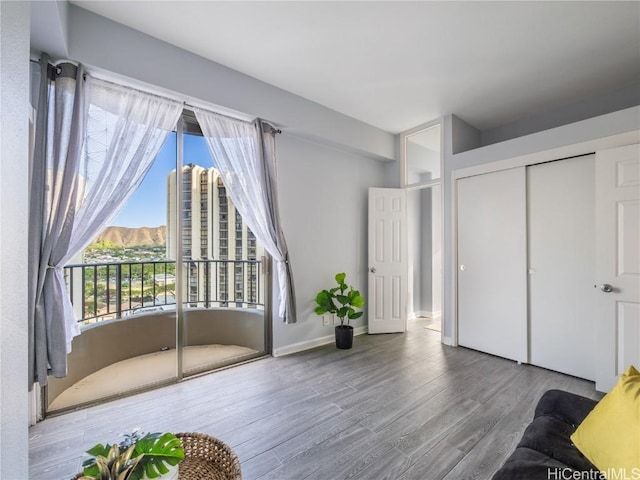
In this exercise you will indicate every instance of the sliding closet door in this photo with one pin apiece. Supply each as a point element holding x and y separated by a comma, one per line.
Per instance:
<point>492,289</point>
<point>561,215</point>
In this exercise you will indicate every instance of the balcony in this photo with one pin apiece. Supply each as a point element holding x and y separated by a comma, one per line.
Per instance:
<point>129,326</point>
<point>103,291</point>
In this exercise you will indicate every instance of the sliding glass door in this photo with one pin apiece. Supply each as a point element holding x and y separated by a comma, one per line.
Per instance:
<point>175,286</point>
<point>222,268</point>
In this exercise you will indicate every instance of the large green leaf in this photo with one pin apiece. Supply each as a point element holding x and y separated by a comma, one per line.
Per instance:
<point>158,450</point>
<point>343,299</point>
<point>357,301</point>
<point>355,315</point>
<point>323,297</point>
<point>340,278</point>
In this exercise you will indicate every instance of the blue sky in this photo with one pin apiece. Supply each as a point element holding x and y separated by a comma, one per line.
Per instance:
<point>148,206</point>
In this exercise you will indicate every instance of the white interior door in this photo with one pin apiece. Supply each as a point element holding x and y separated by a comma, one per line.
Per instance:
<point>492,283</point>
<point>388,263</point>
<point>562,300</point>
<point>618,262</point>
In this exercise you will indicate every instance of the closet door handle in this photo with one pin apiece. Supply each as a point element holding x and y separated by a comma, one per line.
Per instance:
<point>606,288</point>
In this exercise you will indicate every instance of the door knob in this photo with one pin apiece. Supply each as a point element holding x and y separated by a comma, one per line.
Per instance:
<point>372,270</point>
<point>606,288</point>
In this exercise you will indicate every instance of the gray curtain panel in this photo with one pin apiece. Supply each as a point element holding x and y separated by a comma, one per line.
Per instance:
<point>95,142</point>
<point>60,125</point>
<point>267,156</point>
<point>244,154</point>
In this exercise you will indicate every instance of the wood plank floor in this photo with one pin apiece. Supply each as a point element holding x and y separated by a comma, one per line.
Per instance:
<point>398,406</point>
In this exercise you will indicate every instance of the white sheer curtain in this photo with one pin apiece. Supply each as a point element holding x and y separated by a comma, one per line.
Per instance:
<point>95,141</point>
<point>244,153</point>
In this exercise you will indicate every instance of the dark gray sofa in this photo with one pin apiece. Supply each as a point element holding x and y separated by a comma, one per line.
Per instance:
<point>546,446</point>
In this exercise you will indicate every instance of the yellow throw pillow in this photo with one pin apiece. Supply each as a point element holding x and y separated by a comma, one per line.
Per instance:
<point>610,435</point>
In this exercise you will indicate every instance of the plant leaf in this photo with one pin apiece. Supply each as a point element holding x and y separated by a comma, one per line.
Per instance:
<point>158,449</point>
<point>323,297</point>
<point>99,449</point>
<point>343,299</point>
<point>340,278</point>
<point>357,301</point>
<point>355,315</point>
<point>90,468</point>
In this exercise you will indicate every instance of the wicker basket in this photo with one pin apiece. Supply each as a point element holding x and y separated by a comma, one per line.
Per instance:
<point>205,458</point>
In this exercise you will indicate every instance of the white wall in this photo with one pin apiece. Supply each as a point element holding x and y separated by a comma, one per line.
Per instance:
<point>425,302</point>
<point>610,102</point>
<point>323,206</point>
<point>99,42</point>
<point>436,250</point>
<point>419,233</point>
<point>414,235</point>
<point>14,84</point>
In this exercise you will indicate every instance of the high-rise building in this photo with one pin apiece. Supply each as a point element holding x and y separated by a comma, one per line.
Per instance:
<point>218,249</point>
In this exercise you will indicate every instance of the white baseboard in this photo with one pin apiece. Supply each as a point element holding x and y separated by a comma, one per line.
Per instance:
<point>315,342</point>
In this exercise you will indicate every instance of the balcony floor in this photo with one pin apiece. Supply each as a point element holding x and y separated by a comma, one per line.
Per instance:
<point>144,370</point>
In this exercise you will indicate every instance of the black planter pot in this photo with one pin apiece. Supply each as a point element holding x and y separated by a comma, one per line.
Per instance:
<point>344,336</point>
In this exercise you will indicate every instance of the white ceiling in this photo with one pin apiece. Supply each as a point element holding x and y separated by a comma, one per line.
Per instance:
<point>397,64</point>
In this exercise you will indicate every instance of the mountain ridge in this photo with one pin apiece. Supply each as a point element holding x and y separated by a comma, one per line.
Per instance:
<point>135,236</point>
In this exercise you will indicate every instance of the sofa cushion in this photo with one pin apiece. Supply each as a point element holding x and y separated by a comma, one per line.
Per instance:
<point>566,406</point>
<point>545,450</point>
<point>550,436</point>
<point>528,464</point>
<point>610,435</point>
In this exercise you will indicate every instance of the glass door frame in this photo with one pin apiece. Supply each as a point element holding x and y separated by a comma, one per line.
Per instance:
<point>179,250</point>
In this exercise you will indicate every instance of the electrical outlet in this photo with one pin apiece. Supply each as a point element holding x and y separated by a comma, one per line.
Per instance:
<point>326,320</point>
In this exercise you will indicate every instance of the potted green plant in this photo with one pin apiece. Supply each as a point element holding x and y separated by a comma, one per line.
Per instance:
<point>137,457</point>
<point>344,302</point>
